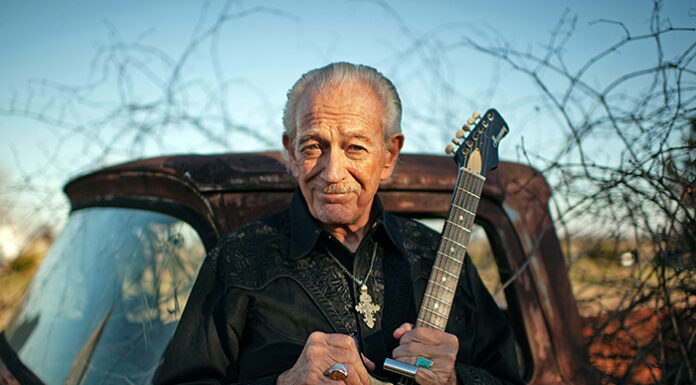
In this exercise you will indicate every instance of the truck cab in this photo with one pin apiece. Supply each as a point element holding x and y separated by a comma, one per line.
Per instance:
<point>107,298</point>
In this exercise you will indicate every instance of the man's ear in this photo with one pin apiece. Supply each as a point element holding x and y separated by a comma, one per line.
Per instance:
<point>290,151</point>
<point>394,144</point>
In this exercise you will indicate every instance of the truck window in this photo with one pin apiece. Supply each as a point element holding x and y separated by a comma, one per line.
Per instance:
<point>107,297</point>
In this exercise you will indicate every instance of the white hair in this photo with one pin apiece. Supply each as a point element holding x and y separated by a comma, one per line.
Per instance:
<point>345,73</point>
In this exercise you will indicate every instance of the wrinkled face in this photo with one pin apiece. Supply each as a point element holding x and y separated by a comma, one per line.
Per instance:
<point>339,155</point>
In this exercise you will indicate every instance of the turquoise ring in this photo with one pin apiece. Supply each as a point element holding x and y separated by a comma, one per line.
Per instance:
<point>424,363</point>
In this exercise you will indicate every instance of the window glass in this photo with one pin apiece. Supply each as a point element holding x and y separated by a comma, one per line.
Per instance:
<point>107,297</point>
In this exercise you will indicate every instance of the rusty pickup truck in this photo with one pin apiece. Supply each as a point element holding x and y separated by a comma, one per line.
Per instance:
<point>107,297</point>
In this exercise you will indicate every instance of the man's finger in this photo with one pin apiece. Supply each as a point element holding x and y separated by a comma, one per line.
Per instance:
<point>427,335</point>
<point>363,376</point>
<point>341,349</point>
<point>368,363</point>
<point>430,342</point>
<point>342,341</point>
<point>404,356</point>
<point>425,377</point>
<point>401,330</point>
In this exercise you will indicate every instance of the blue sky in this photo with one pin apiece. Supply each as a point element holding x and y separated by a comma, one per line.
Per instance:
<point>263,53</point>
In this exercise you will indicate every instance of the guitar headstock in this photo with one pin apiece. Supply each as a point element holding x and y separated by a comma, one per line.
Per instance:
<point>479,151</point>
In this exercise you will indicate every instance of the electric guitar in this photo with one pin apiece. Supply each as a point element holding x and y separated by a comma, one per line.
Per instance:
<point>475,156</point>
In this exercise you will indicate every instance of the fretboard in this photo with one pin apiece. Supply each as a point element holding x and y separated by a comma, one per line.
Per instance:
<point>437,300</point>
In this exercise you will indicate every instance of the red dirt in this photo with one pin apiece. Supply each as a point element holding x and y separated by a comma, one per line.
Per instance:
<point>629,351</point>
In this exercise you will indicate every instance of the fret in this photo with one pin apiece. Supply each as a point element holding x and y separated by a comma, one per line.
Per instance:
<point>463,209</point>
<point>442,286</point>
<point>450,257</point>
<point>455,242</point>
<point>458,226</point>
<point>441,290</point>
<point>469,192</point>
<point>438,299</point>
<point>447,272</point>
<point>473,173</point>
<point>436,313</point>
<point>481,156</point>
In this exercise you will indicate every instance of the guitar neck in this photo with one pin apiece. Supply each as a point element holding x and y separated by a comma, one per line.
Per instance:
<point>437,300</point>
<point>479,153</point>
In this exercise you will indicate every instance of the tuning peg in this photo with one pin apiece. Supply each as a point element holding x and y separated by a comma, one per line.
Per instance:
<point>473,118</point>
<point>449,149</point>
<point>466,128</point>
<point>460,134</point>
<point>455,141</point>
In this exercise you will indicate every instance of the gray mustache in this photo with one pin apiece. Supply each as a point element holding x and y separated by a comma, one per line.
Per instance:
<point>338,188</point>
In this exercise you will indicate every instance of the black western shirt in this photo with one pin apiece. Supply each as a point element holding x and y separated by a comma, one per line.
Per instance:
<point>270,283</point>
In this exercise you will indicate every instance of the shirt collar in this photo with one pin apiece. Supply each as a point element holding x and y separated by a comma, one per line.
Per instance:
<point>305,229</point>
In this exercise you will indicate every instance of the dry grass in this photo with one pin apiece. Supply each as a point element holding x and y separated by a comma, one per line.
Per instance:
<point>15,278</point>
<point>602,286</point>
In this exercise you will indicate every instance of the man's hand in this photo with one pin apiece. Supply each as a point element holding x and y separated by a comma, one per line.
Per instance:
<point>320,352</point>
<point>439,347</point>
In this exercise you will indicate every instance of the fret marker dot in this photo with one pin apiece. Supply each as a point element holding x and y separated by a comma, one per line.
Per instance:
<point>461,217</point>
<point>437,306</point>
<point>452,249</point>
<point>444,279</point>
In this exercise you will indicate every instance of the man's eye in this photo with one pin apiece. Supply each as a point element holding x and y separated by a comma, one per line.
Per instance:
<point>310,149</point>
<point>356,148</point>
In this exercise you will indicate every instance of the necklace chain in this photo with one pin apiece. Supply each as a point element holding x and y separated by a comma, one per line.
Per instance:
<point>365,307</point>
<point>357,280</point>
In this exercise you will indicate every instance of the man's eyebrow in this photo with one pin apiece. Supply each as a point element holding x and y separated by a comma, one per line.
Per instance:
<point>361,135</point>
<point>308,135</point>
<point>351,134</point>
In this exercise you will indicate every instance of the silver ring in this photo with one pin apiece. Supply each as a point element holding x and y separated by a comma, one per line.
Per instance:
<point>337,372</point>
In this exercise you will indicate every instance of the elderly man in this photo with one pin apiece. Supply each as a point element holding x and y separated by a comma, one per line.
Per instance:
<point>334,279</point>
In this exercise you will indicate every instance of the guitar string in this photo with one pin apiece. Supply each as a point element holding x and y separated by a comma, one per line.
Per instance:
<point>462,200</point>
<point>426,316</point>
<point>445,263</point>
<point>452,233</point>
<point>468,222</point>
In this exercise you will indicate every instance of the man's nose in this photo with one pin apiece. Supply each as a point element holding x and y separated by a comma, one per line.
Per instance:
<point>334,166</point>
